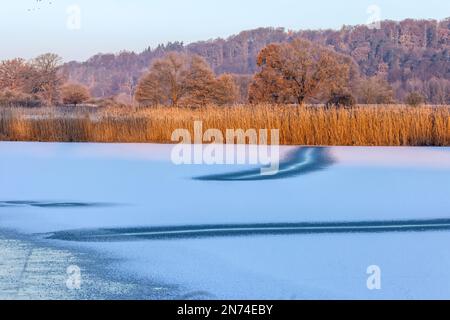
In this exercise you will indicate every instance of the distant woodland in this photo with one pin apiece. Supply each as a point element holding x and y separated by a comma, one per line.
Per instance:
<point>413,56</point>
<point>401,62</point>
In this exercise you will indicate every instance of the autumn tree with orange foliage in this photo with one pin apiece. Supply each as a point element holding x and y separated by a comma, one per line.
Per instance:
<point>74,94</point>
<point>182,80</point>
<point>299,71</point>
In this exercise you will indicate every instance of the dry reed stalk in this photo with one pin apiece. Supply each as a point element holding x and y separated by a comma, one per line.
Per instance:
<point>381,125</point>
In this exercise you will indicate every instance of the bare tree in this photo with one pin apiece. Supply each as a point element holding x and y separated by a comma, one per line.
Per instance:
<point>225,90</point>
<point>375,90</point>
<point>129,87</point>
<point>165,83</point>
<point>243,82</point>
<point>178,79</point>
<point>13,74</point>
<point>199,82</point>
<point>44,78</point>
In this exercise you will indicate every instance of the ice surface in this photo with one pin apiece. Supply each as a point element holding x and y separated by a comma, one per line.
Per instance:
<point>47,189</point>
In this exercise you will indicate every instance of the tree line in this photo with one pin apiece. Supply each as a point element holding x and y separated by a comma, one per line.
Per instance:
<point>295,72</point>
<point>38,82</point>
<point>410,55</point>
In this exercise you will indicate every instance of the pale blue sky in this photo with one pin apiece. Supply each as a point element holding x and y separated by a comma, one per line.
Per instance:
<point>113,25</point>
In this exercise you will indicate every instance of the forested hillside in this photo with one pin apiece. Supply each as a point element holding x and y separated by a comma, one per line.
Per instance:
<point>412,55</point>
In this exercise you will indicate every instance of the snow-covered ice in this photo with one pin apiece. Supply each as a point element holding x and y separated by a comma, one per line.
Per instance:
<point>53,197</point>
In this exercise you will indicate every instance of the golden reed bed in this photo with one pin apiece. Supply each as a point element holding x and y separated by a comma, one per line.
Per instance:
<point>382,125</point>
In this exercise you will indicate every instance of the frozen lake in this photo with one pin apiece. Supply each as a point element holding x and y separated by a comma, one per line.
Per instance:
<point>137,226</point>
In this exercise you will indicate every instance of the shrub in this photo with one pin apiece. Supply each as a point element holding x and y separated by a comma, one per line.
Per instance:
<point>415,99</point>
<point>375,90</point>
<point>19,99</point>
<point>74,94</point>
<point>341,100</point>
<point>110,102</point>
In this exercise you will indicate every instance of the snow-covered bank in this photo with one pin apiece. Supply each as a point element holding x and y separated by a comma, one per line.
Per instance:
<point>55,188</point>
